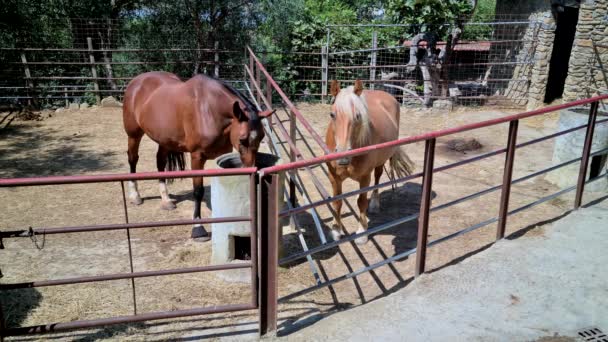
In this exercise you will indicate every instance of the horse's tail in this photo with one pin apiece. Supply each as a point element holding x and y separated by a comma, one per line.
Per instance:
<point>175,162</point>
<point>401,164</point>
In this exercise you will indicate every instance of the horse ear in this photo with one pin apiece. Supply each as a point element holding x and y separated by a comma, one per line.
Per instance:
<point>335,88</point>
<point>238,112</point>
<point>266,113</point>
<point>358,87</point>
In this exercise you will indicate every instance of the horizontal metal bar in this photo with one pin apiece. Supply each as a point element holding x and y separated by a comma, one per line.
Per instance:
<point>114,50</point>
<point>117,226</point>
<point>366,66</point>
<point>429,135</point>
<point>492,23</point>
<point>56,327</point>
<point>119,276</point>
<point>55,180</point>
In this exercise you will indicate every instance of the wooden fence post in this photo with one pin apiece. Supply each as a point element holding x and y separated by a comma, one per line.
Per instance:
<point>94,70</point>
<point>28,78</point>
<point>269,253</point>
<point>372,70</point>
<point>324,72</point>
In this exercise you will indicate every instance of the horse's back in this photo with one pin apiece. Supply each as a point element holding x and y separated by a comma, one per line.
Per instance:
<point>383,111</point>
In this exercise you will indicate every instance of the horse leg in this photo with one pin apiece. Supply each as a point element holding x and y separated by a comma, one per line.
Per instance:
<point>198,231</point>
<point>161,161</point>
<point>362,202</point>
<point>374,203</point>
<point>336,229</point>
<point>133,155</point>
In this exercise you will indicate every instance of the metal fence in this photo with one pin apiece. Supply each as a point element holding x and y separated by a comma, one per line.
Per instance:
<point>264,190</point>
<point>298,124</point>
<point>490,64</point>
<point>128,226</point>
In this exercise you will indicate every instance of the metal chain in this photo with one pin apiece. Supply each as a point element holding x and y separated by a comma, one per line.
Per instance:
<point>34,239</point>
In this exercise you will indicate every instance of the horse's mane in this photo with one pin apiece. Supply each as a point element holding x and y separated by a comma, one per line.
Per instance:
<point>345,102</point>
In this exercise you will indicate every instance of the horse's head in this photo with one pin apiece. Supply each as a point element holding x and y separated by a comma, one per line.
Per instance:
<point>349,118</point>
<point>246,131</point>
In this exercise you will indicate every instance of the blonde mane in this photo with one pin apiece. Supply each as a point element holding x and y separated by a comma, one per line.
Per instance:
<point>345,102</point>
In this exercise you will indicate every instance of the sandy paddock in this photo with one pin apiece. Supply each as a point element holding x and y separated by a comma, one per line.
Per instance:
<point>91,141</point>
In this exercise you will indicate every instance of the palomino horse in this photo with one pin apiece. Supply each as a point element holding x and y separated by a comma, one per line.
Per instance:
<point>361,118</point>
<point>203,116</point>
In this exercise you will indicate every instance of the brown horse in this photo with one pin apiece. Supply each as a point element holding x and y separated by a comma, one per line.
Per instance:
<point>361,118</point>
<point>202,116</point>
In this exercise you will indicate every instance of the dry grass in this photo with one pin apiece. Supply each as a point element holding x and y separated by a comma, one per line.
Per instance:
<point>92,142</point>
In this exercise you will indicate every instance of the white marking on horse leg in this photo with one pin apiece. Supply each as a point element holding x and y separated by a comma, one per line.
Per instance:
<point>133,193</point>
<point>363,239</point>
<point>336,230</point>
<point>374,203</point>
<point>165,202</point>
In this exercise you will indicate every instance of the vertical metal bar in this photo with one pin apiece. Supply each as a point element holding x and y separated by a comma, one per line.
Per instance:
<point>324,57</point>
<point>252,69</point>
<point>28,78</point>
<point>292,156</point>
<point>216,60</point>
<point>580,188</point>
<point>67,102</point>
<point>269,256</point>
<point>124,205</point>
<point>258,95</point>
<point>93,70</point>
<point>425,205</point>
<point>253,212</point>
<point>506,180</point>
<point>372,70</point>
<point>269,99</point>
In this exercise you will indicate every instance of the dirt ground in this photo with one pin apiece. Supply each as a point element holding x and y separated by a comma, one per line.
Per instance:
<point>91,141</point>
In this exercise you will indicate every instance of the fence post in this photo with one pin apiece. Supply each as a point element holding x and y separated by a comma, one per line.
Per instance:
<point>580,187</point>
<point>252,69</point>
<point>93,70</point>
<point>425,205</point>
<point>28,78</point>
<point>216,60</point>
<point>269,256</point>
<point>292,157</point>
<point>269,99</point>
<point>506,180</point>
<point>258,95</point>
<point>372,70</point>
<point>67,101</point>
<point>324,72</point>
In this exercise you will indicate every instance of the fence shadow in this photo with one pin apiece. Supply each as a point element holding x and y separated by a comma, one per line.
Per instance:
<point>403,201</point>
<point>35,150</point>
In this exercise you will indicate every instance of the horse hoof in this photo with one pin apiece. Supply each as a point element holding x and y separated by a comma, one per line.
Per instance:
<point>169,205</point>
<point>374,208</point>
<point>136,201</point>
<point>200,234</point>
<point>361,240</point>
<point>336,234</point>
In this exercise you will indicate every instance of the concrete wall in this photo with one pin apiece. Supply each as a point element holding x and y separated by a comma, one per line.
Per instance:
<point>584,79</point>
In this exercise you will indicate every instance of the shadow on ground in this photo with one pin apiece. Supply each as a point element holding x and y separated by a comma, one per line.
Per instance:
<point>35,150</point>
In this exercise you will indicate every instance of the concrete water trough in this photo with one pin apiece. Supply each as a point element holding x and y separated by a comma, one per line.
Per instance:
<point>230,242</point>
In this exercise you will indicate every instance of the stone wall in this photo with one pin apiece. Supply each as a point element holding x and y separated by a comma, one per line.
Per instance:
<point>585,77</point>
<point>542,58</point>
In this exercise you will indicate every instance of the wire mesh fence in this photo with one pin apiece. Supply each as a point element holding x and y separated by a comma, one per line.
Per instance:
<point>490,63</point>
